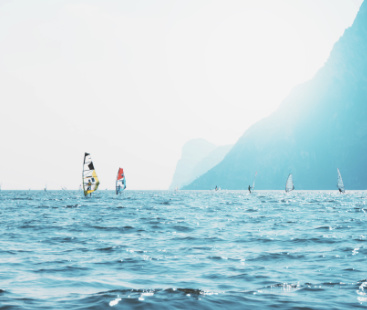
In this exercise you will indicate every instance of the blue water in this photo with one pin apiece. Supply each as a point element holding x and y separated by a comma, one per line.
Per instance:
<point>183,250</point>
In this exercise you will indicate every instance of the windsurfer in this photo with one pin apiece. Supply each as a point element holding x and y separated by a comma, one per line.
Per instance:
<point>216,187</point>
<point>249,189</point>
<point>89,188</point>
<point>340,191</point>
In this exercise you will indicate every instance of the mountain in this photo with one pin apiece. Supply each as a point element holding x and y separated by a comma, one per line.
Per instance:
<point>198,156</point>
<point>320,126</point>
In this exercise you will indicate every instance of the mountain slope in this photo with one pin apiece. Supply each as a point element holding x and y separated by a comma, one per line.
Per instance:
<point>320,126</point>
<point>198,156</point>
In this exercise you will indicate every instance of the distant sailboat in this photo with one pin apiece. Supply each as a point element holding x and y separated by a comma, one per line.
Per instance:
<point>120,181</point>
<point>340,182</point>
<point>289,184</point>
<point>90,179</point>
<point>253,183</point>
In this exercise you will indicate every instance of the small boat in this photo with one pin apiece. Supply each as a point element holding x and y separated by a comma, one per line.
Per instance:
<point>120,181</point>
<point>90,179</point>
<point>340,183</point>
<point>289,184</point>
<point>253,184</point>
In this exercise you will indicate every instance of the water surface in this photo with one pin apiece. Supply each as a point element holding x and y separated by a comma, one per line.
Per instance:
<point>183,250</point>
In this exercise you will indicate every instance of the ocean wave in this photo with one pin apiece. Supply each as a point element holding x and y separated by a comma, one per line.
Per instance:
<point>199,251</point>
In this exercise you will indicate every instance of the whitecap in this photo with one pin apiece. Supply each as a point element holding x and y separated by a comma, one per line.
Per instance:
<point>114,302</point>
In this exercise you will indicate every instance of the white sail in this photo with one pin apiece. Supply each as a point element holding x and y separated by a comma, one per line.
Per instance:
<point>289,185</point>
<point>90,179</point>
<point>340,182</point>
<point>253,183</point>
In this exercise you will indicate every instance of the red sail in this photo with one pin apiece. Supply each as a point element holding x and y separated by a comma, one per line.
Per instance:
<point>120,174</point>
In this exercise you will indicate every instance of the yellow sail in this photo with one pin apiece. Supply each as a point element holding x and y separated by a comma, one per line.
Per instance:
<point>90,179</point>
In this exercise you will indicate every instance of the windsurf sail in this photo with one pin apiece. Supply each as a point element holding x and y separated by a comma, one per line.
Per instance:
<point>340,182</point>
<point>90,179</point>
<point>253,183</point>
<point>120,181</point>
<point>289,185</point>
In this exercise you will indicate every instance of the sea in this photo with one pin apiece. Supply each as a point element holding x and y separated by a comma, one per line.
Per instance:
<point>183,250</point>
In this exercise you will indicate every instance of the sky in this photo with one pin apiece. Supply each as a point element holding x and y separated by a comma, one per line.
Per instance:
<point>131,82</point>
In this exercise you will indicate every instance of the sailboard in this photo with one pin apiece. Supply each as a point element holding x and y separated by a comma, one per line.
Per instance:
<point>253,183</point>
<point>90,179</point>
<point>120,181</point>
<point>340,182</point>
<point>289,184</point>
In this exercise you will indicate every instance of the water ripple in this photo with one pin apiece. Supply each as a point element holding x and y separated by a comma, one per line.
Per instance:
<point>182,250</point>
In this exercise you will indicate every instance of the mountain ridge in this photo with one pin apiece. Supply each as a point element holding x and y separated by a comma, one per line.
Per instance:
<point>317,128</point>
<point>198,156</point>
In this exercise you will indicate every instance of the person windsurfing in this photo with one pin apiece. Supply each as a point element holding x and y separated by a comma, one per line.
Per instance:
<point>249,189</point>
<point>216,187</point>
<point>89,187</point>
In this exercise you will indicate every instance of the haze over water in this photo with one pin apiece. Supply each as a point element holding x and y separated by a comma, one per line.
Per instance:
<point>185,249</point>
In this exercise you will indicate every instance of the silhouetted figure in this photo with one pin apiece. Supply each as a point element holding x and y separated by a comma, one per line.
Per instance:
<point>89,187</point>
<point>249,189</point>
<point>216,187</point>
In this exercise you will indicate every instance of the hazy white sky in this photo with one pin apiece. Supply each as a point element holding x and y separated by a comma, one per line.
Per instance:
<point>132,81</point>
